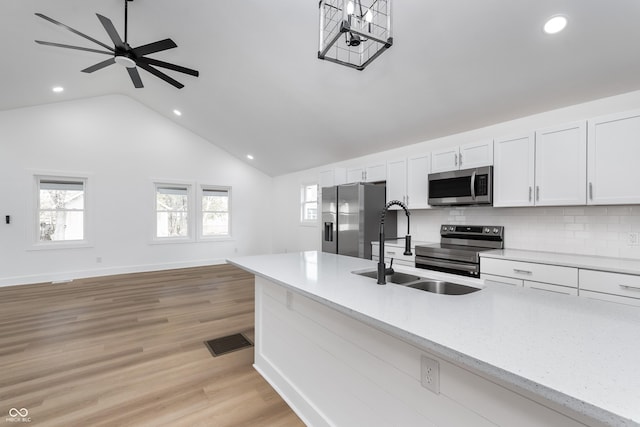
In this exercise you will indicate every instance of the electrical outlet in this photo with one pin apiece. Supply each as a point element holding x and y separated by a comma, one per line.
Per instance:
<point>430,374</point>
<point>633,239</point>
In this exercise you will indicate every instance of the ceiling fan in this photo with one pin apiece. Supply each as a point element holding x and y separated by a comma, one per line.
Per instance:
<point>123,54</point>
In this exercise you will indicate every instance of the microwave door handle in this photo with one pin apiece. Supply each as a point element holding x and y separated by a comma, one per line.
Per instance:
<point>473,185</point>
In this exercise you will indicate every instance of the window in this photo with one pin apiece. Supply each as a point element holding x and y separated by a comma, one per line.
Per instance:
<point>61,209</point>
<point>309,203</point>
<point>172,211</point>
<point>216,211</point>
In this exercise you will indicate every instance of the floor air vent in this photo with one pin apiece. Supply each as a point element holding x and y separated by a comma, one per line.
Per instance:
<point>223,345</point>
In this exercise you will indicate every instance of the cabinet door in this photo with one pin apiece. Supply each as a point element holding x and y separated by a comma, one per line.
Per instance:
<point>375,173</point>
<point>476,154</point>
<point>397,181</point>
<point>355,175</point>
<point>561,165</point>
<point>613,153</point>
<point>513,171</point>
<point>418,168</point>
<point>547,287</point>
<point>445,160</point>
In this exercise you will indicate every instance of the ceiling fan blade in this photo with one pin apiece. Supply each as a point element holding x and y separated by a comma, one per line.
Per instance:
<point>135,77</point>
<point>111,30</point>
<point>99,65</point>
<point>151,61</point>
<point>154,47</point>
<point>160,74</point>
<point>74,31</point>
<point>73,47</point>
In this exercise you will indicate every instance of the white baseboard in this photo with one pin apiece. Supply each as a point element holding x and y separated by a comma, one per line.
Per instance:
<point>110,271</point>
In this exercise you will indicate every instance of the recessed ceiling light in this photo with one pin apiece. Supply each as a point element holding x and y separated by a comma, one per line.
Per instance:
<point>249,156</point>
<point>58,89</point>
<point>555,24</point>
<point>177,112</point>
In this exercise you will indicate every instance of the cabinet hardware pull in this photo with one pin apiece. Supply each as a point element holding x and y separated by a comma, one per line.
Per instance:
<point>515,270</point>
<point>455,160</point>
<point>537,193</point>
<point>629,287</point>
<point>590,191</point>
<point>407,200</point>
<point>390,253</point>
<point>529,193</point>
<point>460,159</point>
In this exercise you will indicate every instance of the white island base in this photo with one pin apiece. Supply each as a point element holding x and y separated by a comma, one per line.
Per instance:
<point>334,370</point>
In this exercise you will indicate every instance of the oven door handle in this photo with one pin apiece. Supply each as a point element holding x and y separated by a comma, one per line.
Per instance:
<point>473,185</point>
<point>422,262</point>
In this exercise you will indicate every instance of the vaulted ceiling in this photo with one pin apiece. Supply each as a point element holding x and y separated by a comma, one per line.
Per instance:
<point>454,66</point>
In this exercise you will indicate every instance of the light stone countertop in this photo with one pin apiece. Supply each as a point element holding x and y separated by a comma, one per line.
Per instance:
<point>579,353</point>
<point>616,265</point>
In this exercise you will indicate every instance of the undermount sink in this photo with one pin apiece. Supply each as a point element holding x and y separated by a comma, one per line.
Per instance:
<point>440,287</point>
<point>396,277</point>
<point>421,283</point>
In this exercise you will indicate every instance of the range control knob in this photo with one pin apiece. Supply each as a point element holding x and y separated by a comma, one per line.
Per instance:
<point>444,228</point>
<point>495,230</point>
<point>487,230</point>
<point>451,228</point>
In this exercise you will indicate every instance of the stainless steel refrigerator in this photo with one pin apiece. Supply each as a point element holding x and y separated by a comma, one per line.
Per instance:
<point>351,218</point>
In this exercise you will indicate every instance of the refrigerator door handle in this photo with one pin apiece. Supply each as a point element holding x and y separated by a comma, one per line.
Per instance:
<point>328,232</point>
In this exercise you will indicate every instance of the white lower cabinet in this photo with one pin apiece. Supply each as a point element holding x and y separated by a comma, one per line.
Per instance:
<point>533,275</point>
<point>616,287</point>
<point>548,287</point>
<point>393,251</point>
<point>602,285</point>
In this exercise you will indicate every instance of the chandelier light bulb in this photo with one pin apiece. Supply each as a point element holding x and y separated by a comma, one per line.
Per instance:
<point>368,16</point>
<point>350,8</point>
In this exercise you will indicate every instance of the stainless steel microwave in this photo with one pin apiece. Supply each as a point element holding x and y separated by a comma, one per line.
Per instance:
<point>462,187</point>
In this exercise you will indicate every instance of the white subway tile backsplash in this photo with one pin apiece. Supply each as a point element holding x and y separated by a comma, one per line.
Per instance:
<point>592,230</point>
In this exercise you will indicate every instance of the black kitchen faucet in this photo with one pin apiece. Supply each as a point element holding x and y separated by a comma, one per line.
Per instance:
<point>382,268</point>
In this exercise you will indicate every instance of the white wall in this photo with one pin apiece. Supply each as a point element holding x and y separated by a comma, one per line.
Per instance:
<point>123,146</point>
<point>585,230</point>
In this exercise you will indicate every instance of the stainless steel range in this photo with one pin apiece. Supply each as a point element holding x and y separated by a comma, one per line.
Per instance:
<point>459,249</point>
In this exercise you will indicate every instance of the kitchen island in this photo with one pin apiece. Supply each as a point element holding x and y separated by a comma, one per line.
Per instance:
<point>342,350</point>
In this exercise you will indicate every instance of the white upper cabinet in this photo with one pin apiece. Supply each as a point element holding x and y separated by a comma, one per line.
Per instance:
<point>614,155</point>
<point>371,173</point>
<point>561,165</point>
<point>545,168</point>
<point>445,160</point>
<point>331,177</point>
<point>417,181</point>
<point>397,180</point>
<point>476,154</point>
<point>513,171</point>
<point>407,181</point>
<point>472,155</point>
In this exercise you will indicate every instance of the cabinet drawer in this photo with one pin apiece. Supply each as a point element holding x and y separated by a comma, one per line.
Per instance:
<point>395,253</point>
<point>546,287</point>
<point>500,279</point>
<point>564,276</point>
<point>611,283</point>
<point>612,298</point>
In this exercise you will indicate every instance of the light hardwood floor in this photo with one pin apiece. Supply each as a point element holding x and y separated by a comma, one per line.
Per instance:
<point>128,350</point>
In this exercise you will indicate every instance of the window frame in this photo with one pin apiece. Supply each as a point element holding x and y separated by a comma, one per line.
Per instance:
<point>87,212</point>
<point>155,239</point>
<point>303,202</point>
<point>202,188</point>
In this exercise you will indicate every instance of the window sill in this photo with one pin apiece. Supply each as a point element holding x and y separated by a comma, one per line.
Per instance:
<point>83,244</point>
<point>207,239</point>
<point>171,240</point>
